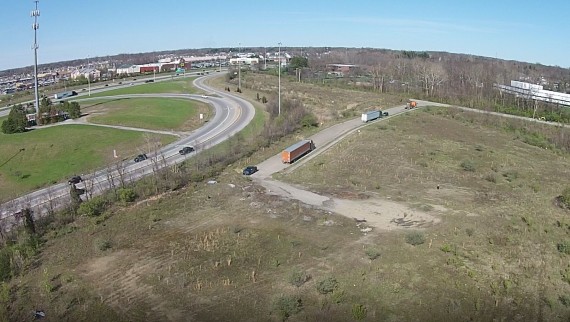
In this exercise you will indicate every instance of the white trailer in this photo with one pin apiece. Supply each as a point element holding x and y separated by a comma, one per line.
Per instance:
<point>370,116</point>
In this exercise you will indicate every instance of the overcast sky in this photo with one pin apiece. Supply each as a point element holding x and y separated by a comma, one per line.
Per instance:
<point>530,31</point>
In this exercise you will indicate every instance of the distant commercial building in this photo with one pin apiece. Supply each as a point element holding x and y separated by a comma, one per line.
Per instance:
<point>244,61</point>
<point>88,73</point>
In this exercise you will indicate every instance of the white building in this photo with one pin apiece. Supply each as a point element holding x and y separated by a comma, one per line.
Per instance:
<point>89,73</point>
<point>133,69</point>
<point>244,61</point>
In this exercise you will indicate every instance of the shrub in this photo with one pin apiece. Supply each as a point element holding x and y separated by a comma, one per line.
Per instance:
<point>93,207</point>
<point>309,120</point>
<point>446,248</point>
<point>102,244</point>
<point>415,238</point>
<point>127,195</point>
<point>288,305</point>
<point>468,165</point>
<point>299,278</point>
<point>5,264</point>
<point>564,247</point>
<point>372,253</point>
<point>359,312</point>
<point>327,285</point>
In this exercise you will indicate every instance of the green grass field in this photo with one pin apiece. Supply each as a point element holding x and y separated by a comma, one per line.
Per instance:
<point>52,154</point>
<point>181,86</point>
<point>150,113</point>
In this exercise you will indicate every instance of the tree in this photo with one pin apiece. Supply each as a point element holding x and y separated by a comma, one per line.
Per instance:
<point>73,109</point>
<point>298,62</point>
<point>16,122</point>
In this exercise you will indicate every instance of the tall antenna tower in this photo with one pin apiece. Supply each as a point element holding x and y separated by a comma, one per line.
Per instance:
<point>36,13</point>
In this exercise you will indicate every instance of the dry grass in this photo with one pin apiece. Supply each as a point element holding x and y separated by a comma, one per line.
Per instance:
<point>213,252</point>
<point>498,237</point>
<point>328,103</point>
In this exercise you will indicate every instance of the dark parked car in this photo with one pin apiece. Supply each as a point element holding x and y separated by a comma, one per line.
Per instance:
<point>249,170</point>
<point>141,157</point>
<point>74,180</point>
<point>149,81</point>
<point>186,150</point>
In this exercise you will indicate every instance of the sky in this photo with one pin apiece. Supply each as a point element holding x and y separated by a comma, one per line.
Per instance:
<point>529,31</point>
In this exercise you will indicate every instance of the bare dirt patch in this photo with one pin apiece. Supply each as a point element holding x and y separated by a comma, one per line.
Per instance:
<point>379,213</point>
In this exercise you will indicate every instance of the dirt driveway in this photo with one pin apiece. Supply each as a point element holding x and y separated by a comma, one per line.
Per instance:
<point>383,214</point>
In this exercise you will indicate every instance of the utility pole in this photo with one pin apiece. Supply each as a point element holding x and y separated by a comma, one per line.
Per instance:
<point>36,13</point>
<point>265,59</point>
<point>279,63</point>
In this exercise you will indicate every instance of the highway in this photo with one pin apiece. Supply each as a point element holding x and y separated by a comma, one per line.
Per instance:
<point>97,87</point>
<point>232,114</point>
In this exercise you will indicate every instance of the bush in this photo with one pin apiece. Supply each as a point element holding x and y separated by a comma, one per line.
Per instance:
<point>309,120</point>
<point>93,207</point>
<point>468,165</point>
<point>327,285</point>
<point>564,248</point>
<point>372,253</point>
<point>446,248</point>
<point>102,244</point>
<point>287,306</point>
<point>359,312</point>
<point>127,195</point>
<point>5,264</point>
<point>415,238</point>
<point>299,278</point>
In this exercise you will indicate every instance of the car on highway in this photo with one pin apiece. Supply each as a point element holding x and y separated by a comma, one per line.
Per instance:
<point>74,180</point>
<point>149,81</point>
<point>186,150</point>
<point>141,157</point>
<point>249,170</point>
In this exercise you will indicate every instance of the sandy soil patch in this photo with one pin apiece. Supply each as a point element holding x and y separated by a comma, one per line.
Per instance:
<point>378,213</point>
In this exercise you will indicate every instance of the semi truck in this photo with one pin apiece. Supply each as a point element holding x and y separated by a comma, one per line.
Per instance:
<point>371,116</point>
<point>61,95</point>
<point>297,150</point>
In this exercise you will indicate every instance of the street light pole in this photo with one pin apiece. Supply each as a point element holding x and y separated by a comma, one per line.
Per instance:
<point>36,13</point>
<point>88,76</point>
<point>239,67</point>
<point>279,95</point>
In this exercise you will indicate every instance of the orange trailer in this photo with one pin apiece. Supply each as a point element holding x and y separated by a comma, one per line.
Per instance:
<point>297,150</point>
